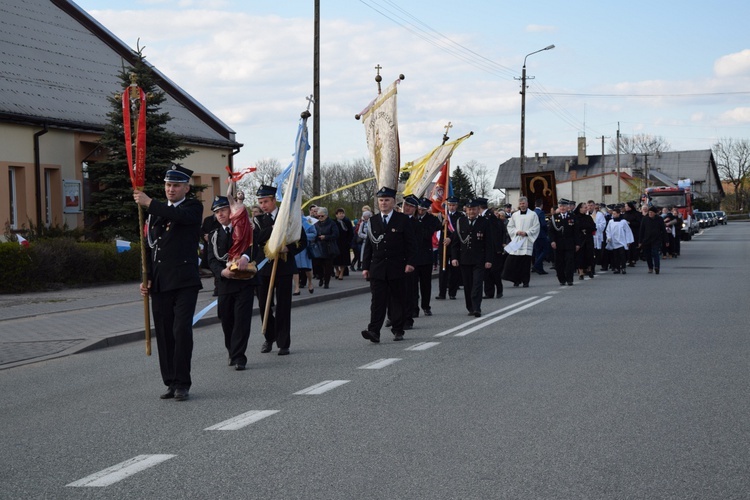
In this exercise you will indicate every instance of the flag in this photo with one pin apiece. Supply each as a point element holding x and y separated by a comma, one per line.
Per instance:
<point>280,179</point>
<point>122,246</point>
<point>438,194</point>
<point>381,129</point>
<point>288,225</point>
<point>425,169</point>
<point>22,241</point>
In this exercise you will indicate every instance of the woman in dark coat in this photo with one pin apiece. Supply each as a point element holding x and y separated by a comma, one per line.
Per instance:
<point>585,227</point>
<point>342,262</point>
<point>633,217</point>
<point>328,234</point>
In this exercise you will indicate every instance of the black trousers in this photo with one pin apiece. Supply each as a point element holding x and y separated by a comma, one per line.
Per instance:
<point>387,295</point>
<point>493,278</point>
<point>473,277</point>
<point>449,279</point>
<point>619,258</point>
<point>279,326</point>
<point>173,312</point>
<point>235,310</point>
<point>411,307</point>
<point>424,279</point>
<point>565,263</point>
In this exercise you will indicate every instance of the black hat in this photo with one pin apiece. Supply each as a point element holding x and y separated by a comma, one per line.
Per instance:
<point>508,205</point>
<point>452,199</point>
<point>178,173</point>
<point>265,191</point>
<point>571,203</point>
<point>386,192</point>
<point>219,203</point>
<point>411,200</point>
<point>425,203</point>
<point>474,202</point>
<point>562,201</point>
<point>654,209</point>
<point>482,201</point>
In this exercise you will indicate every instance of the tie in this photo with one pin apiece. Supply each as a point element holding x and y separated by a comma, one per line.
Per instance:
<point>228,229</point>
<point>385,220</point>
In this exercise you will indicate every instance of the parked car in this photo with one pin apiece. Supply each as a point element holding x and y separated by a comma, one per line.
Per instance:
<point>690,228</point>
<point>713,219</point>
<point>722,217</point>
<point>702,219</point>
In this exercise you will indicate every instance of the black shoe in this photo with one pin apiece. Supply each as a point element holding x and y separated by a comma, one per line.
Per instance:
<point>570,283</point>
<point>284,351</point>
<point>371,336</point>
<point>239,367</point>
<point>167,395</point>
<point>616,271</point>
<point>477,313</point>
<point>580,277</point>
<point>500,296</point>
<point>428,312</point>
<point>516,284</point>
<point>295,293</point>
<point>526,285</point>
<point>452,297</point>
<point>440,297</point>
<point>624,271</point>
<point>542,272</point>
<point>181,395</point>
<point>325,286</point>
<point>471,313</point>
<point>488,296</point>
<point>562,283</point>
<point>398,337</point>
<point>267,347</point>
<point>656,270</point>
<point>320,283</point>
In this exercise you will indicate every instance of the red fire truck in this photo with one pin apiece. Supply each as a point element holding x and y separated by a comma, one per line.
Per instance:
<point>679,197</point>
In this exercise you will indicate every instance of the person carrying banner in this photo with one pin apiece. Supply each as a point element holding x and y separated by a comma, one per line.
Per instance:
<point>173,233</point>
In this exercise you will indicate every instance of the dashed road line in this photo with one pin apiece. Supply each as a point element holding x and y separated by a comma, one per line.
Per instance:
<point>241,421</point>
<point>422,346</point>
<point>381,363</point>
<point>120,471</point>
<point>464,325</point>
<point>322,387</point>
<point>494,320</point>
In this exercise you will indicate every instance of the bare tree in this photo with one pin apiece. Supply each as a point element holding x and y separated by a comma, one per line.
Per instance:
<point>479,177</point>
<point>334,176</point>
<point>640,144</point>
<point>733,162</point>
<point>266,170</point>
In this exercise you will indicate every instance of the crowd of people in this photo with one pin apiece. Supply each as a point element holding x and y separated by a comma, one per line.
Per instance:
<point>474,248</point>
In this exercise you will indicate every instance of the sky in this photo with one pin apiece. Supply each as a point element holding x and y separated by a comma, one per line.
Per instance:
<point>676,70</point>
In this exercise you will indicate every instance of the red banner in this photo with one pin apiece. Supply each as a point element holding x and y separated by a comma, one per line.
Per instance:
<point>136,168</point>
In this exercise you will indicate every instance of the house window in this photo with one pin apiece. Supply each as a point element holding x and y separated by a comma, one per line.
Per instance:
<point>12,198</point>
<point>607,189</point>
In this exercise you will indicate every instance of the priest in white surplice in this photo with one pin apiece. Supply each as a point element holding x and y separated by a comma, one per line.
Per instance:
<point>619,238</point>
<point>523,229</point>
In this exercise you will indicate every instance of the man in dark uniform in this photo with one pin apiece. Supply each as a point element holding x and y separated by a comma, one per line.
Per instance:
<point>173,233</point>
<point>493,281</point>
<point>389,253</point>
<point>562,235</point>
<point>471,249</point>
<point>279,325</point>
<point>449,278</point>
<point>409,208</point>
<point>427,224</point>
<point>235,308</point>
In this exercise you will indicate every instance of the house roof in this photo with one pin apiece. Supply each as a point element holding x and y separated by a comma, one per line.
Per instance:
<point>667,167</point>
<point>59,66</point>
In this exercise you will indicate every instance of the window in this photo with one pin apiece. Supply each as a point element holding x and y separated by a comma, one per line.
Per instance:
<point>607,189</point>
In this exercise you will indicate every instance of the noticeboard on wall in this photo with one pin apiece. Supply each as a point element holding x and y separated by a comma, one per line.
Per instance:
<point>72,197</point>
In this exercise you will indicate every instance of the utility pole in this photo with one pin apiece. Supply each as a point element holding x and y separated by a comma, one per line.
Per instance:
<point>618,162</point>
<point>602,138</point>
<point>523,104</point>
<point>316,97</point>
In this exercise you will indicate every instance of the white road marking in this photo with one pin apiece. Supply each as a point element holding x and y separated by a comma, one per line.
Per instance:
<point>494,320</point>
<point>322,387</point>
<point>121,471</point>
<point>381,363</point>
<point>553,292</point>
<point>241,421</point>
<point>422,346</point>
<point>464,325</point>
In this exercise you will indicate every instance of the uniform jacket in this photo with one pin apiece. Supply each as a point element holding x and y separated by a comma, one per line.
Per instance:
<point>476,248</point>
<point>173,234</point>
<point>387,257</point>
<point>498,233</point>
<point>219,243</point>
<point>562,232</point>
<point>286,266</point>
<point>425,228</point>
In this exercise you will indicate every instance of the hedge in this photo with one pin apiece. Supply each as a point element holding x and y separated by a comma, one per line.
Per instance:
<point>57,262</point>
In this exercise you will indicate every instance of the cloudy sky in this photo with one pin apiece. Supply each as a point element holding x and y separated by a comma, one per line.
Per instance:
<point>677,70</point>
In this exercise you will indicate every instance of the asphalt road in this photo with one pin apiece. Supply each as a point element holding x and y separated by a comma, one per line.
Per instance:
<point>632,386</point>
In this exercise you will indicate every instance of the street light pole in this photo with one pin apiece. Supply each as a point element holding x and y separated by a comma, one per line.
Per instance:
<point>523,105</point>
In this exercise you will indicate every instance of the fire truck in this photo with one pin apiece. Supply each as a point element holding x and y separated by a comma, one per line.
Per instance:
<point>679,197</point>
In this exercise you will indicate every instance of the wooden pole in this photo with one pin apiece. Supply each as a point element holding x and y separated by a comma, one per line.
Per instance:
<point>144,281</point>
<point>270,295</point>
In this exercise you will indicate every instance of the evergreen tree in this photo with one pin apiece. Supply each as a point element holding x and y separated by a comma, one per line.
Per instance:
<point>112,193</point>
<point>461,186</point>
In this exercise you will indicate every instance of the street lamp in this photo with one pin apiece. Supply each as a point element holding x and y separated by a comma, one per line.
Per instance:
<point>523,105</point>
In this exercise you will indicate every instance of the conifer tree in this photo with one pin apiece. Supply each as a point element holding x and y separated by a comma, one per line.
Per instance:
<point>112,194</point>
<point>461,186</point>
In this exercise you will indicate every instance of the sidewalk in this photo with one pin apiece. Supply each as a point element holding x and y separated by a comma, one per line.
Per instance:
<point>46,325</point>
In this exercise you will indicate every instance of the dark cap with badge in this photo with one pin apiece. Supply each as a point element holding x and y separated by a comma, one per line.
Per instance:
<point>386,192</point>
<point>219,203</point>
<point>178,173</point>
<point>562,201</point>
<point>425,203</point>
<point>411,200</point>
<point>482,201</point>
<point>265,191</point>
<point>452,199</point>
<point>474,202</point>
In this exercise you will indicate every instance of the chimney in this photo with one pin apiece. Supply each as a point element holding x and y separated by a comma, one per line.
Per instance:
<point>544,158</point>
<point>582,159</point>
<point>567,166</point>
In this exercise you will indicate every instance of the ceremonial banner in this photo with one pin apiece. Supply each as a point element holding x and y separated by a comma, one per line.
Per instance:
<point>288,225</point>
<point>137,168</point>
<point>540,185</point>
<point>426,168</point>
<point>381,128</point>
<point>442,189</point>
